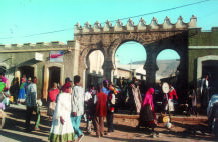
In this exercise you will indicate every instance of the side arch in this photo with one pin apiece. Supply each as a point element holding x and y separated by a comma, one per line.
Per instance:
<point>84,60</point>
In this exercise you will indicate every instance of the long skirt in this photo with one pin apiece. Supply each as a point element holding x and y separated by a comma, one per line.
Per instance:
<point>61,132</point>
<point>22,95</point>
<point>146,118</point>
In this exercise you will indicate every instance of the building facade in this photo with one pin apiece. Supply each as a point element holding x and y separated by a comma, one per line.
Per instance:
<point>49,62</point>
<point>52,62</point>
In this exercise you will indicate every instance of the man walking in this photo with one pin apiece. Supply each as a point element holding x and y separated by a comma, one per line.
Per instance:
<point>31,104</point>
<point>77,107</point>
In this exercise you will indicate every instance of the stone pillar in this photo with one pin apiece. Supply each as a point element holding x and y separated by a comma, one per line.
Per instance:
<point>108,70</point>
<point>82,71</point>
<point>76,56</point>
<point>151,67</point>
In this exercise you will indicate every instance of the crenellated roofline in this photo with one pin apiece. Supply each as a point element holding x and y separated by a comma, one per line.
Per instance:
<point>130,26</point>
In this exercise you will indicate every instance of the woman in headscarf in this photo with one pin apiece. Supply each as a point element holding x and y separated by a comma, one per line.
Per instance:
<point>62,128</point>
<point>22,91</point>
<point>147,115</point>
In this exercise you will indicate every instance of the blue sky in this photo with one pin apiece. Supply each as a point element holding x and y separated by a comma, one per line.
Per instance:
<point>20,19</point>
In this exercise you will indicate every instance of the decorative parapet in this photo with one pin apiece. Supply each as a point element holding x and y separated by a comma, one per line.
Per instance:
<point>130,25</point>
<point>107,26</point>
<point>87,28</point>
<point>180,24</point>
<point>141,26</point>
<point>154,24</point>
<point>193,22</point>
<point>97,27</point>
<point>39,46</point>
<point>77,28</point>
<point>167,24</point>
<point>118,26</point>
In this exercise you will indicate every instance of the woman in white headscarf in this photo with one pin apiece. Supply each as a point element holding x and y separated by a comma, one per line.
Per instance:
<point>62,128</point>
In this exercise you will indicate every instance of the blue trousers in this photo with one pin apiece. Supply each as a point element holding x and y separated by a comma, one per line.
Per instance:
<point>76,124</point>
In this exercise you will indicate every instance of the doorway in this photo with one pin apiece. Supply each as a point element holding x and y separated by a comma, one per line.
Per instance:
<point>53,72</point>
<point>27,71</point>
<point>210,68</point>
<point>54,75</point>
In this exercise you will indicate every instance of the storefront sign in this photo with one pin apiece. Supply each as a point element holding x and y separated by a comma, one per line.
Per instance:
<point>56,56</point>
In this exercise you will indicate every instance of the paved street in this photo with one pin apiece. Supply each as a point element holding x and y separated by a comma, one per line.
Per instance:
<point>185,129</point>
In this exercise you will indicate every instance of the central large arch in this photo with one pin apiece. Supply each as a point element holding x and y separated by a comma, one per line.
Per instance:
<point>129,59</point>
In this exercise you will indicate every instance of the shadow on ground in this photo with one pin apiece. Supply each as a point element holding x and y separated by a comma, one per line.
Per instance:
<point>16,122</point>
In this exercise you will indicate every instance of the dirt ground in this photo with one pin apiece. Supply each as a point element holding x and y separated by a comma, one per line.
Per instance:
<point>184,130</point>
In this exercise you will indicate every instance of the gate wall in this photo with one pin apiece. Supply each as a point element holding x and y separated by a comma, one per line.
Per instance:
<point>154,37</point>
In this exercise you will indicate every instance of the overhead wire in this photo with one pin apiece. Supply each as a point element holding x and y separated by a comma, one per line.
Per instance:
<point>155,12</point>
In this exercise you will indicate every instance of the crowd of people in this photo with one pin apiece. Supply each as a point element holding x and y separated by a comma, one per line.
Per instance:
<point>26,92</point>
<point>97,104</point>
<point>70,102</point>
<point>132,93</point>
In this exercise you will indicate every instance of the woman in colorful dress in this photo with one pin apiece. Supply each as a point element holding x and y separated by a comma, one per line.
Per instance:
<point>62,128</point>
<point>147,115</point>
<point>22,92</point>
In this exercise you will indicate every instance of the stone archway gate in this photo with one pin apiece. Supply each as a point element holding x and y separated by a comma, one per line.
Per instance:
<point>154,37</point>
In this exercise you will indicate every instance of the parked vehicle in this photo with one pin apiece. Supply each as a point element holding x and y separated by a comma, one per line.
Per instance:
<point>212,113</point>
